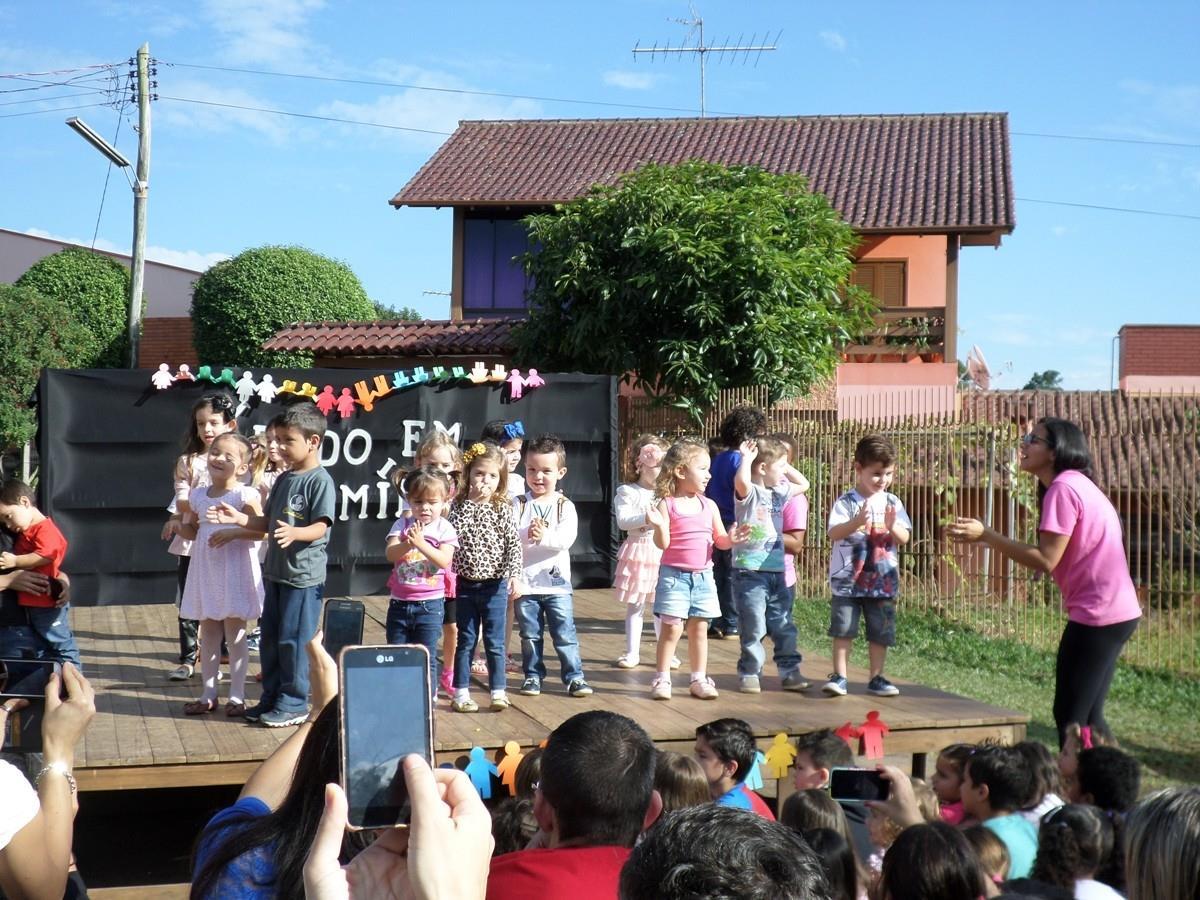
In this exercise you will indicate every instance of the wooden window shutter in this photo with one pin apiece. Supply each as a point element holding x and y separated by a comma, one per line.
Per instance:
<point>883,280</point>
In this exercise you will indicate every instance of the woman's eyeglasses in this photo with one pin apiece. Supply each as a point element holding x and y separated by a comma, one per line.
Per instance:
<point>1032,438</point>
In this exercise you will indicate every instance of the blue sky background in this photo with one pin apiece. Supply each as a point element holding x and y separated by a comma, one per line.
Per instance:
<point>222,180</point>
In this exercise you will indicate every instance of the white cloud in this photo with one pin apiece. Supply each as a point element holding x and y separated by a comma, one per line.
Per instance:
<point>1059,230</point>
<point>185,259</point>
<point>630,81</point>
<point>263,31</point>
<point>203,116</point>
<point>833,40</point>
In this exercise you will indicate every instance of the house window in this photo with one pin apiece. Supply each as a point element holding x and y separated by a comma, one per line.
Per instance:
<point>493,283</point>
<point>884,279</point>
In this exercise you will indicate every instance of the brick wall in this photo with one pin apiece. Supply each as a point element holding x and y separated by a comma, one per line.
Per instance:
<point>169,340</point>
<point>1160,350</point>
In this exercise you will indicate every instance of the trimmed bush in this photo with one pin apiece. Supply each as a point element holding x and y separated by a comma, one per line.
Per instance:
<point>38,332</point>
<point>95,290</point>
<point>240,303</point>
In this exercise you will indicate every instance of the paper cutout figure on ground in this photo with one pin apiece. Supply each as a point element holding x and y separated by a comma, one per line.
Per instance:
<point>266,389</point>
<point>184,373</point>
<point>507,767</point>
<point>534,380</point>
<point>400,379</point>
<point>326,401</point>
<point>288,386</point>
<point>498,374</point>
<point>245,388</point>
<point>754,780</point>
<point>478,373</point>
<point>345,404</point>
<point>872,731</point>
<point>480,770</point>
<point>204,373</point>
<point>226,377</point>
<point>420,376</point>
<point>780,755</point>
<point>162,379</point>
<point>849,734</point>
<point>515,384</point>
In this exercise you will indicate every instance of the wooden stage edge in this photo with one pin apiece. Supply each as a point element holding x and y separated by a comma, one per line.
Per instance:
<point>141,739</point>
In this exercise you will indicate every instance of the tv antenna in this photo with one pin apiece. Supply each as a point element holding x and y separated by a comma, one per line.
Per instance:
<point>701,50</point>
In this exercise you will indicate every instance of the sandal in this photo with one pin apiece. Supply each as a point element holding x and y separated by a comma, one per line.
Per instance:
<point>201,707</point>
<point>479,666</point>
<point>235,710</point>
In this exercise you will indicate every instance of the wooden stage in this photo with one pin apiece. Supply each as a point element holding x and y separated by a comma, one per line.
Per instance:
<point>140,737</point>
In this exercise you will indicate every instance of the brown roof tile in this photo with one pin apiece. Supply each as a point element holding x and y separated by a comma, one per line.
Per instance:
<point>946,171</point>
<point>485,337</point>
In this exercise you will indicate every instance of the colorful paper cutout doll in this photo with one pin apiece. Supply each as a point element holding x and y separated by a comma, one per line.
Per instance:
<point>754,779</point>
<point>507,767</point>
<point>515,384</point>
<point>400,379</point>
<point>420,376</point>
<point>204,373</point>
<point>345,404</point>
<point>872,731</point>
<point>534,380</point>
<point>480,770</point>
<point>245,388</point>
<point>288,386</point>
<point>849,734</point>
<point>162,379</point>
<point>458,372</point>
<point>226,377</point>
<point>438,373</point>
<point>266,389</point>
<point>498,374</point>
<point>780,755</point>
<point>365,398</point>
<point>184,373</point>
<point>478,373</point>
<point>326,401</point>
<point>307,390</point>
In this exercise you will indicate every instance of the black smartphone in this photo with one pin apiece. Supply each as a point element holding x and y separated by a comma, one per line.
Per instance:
<point>26,677</point>
<point>343,625</point>
<point>387,713</point>
<point>857,785</point>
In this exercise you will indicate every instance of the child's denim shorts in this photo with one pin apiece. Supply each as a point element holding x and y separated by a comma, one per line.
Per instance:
<point>686,595</point>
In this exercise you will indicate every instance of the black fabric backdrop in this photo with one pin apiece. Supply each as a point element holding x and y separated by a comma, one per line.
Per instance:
<point>108,442</point>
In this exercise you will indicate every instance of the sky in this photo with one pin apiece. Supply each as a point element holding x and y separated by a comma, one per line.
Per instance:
<point>1118,83</point>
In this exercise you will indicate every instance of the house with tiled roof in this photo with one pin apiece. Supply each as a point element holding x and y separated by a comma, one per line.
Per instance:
<point>916,188</point>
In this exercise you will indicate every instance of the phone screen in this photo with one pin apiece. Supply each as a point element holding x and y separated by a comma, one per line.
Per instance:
<point>25,677</point>
<point>343,625</point>
<point>386,715</point>
<point>857,785</point>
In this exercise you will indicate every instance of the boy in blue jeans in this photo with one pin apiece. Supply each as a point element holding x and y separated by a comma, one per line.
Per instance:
<point>764,602</point>
<point>298,516</point>
<point>547,524</point>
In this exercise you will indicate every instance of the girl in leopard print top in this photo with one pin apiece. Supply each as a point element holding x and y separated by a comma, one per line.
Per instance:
<point>488,565</point>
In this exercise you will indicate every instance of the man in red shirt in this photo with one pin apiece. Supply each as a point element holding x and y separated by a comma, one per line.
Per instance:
<point>39,547</point>
<point>595,797</point>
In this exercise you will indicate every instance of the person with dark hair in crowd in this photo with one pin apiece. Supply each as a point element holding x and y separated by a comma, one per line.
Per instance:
<point>1074,842</point>
<point>1079,543</point>
<point>680,781</point>
<point>722,852</point>
<point>837,859</point>
<point>996,782</point>
<point>1108,778</point>
<point>513,825</point>
<point>817,754</point>
<point>932,861</point>
<point>726,750</point>
<point>1045,781</point>
<point>745,423</point>
<point>595,796</point>
<point>1162,846</point>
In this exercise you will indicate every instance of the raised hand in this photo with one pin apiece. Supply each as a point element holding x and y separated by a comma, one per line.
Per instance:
<point>285,534</point>
<point>225,514</point>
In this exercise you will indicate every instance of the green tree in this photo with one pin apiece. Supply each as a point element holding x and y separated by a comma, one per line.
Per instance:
<point>239,303</point>
<point>385,313</point>
<point>38,332</point>
<point>691,279</point>
<point>95,291</point>
<point>1050,380</point>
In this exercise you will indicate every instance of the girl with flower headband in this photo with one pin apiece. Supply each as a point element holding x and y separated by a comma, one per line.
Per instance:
<point>637,560</point>
<point>488,566</point>
<point>510,438</point>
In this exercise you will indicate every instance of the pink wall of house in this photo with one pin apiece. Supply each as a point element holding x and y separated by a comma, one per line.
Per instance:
<point>871,392</point>
<point>926,269</point>
<point>1160,358</point>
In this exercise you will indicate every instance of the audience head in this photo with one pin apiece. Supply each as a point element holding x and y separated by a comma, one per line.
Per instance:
<point>1108,778</point>
<point>529,772</point>
<point>680,781</point>
<point>931,862</point>
<point>744,423</point>
<point>1044,778</point>
<point>725,750</point>
<point>717,851</point>
<point>816,753</point>
<point>812,809</point>
<point>513,824</point>
<point>948,772</point>
<point>837,859</point>
<point>1162,846</point>
<point>991,852</point>
<point>1074,841</point>
<point>997,780</point>
<point>597,784</point>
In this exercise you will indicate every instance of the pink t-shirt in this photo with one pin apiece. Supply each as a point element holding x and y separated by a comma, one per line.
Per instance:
<point>416,577</point>
<point>1093,573</point>
<point>795,518</point>
<point>691,536</point>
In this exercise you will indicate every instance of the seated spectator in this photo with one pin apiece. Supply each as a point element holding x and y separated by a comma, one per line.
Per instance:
<point>529,772</point>
<point>595,796</point>
<point>1108,778</point>
<point>1162,846</point>
<point>813,810</point>
<point>1045,782</point>
<point>36,825</point>
<point>513,825</point>
<point>725,750</point>
<point>932,861</point>
<point>990,851</point>
<point>1074,841</point>
<point>680,781</point>
<point>837,860</point>
<point>995,784</point>
<point>715,851</point>
<point>946,781</point>
<point>817,754</point>
<point>884,830</point>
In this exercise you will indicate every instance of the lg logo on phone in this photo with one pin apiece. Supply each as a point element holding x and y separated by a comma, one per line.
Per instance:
<point>381,659</point>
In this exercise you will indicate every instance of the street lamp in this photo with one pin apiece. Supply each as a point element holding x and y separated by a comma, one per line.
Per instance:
<point>114,155</point>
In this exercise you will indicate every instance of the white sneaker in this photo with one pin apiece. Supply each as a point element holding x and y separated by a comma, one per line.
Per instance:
<point>660,688</point>
<point>624,661</point>
<point>749,684</point>
<point>704,689</point>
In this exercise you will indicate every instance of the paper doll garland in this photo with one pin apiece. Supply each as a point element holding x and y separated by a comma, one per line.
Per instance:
<point>480,770</point>
<point>780,755</point>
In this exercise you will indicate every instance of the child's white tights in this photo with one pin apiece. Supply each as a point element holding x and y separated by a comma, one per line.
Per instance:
<point>234,631</point>
<point>633,628</point>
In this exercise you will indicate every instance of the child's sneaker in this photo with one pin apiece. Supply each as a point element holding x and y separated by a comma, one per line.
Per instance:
<point>532,686</point>
<point>794,681</point>
<point>500,701</point>
<point>579,688</point>
<point>660,688</point>
<point>704,689</point>
<point>625,661</point>
<point>255,712</point>
<point>836,686</point>
<point>464,705</point>
<point>749,684</point>
<point>881,687</point>
<point>278,718</point>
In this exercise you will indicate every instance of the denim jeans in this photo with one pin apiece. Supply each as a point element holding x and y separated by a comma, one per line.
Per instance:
<point>537,612</point>
<point>482,608</point>
<point>52,625</point>
<point>418,622</point>
<point>723,576</point>
<point>765,606</point>
<point>289,620</point>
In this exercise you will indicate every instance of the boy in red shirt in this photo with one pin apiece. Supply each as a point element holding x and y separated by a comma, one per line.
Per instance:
<point>40,547</point>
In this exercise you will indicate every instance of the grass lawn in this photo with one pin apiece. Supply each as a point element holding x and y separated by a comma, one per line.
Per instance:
<point>1152,713</point>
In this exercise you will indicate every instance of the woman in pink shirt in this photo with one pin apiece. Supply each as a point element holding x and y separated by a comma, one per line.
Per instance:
<point>1079,544</point>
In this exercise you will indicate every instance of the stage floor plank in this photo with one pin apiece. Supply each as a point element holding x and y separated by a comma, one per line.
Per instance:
<point>141,738</point>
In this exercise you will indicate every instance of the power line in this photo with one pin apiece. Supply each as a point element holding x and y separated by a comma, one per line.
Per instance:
<point>37,112</point>
<point>48,99</point>
<point>1121,209</point>
<point>59,71</point>
<point>284,112</point>
<point>1103,140</point>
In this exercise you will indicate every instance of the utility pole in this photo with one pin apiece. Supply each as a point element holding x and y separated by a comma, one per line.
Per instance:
<point>141,188</point>
<point>702,50</point>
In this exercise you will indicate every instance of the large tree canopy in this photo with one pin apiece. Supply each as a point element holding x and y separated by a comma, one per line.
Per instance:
<point>691,279</point>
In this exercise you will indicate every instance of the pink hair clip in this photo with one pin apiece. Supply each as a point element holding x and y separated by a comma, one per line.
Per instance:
<point>651,456</point>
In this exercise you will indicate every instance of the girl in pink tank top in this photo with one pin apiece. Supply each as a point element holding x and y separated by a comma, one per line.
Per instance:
<point>687,525</point>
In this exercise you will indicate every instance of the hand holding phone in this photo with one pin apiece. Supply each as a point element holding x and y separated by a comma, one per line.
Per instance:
<point>854,785</point>
<point>343,624</point>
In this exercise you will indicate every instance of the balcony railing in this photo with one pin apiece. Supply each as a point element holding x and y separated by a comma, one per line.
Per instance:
<point>902,333</point>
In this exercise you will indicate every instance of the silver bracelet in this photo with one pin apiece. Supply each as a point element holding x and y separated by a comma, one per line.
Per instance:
<point>61,769</point>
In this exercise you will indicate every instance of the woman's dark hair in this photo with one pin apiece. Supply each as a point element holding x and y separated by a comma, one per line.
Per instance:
<point>513,825</point>
<point>742,424</point>
<point>931,862</point>
<point>221,404</point>
<point>837,858</point>
<point>1044,769</point>
<point>1074,842</point>
<point>1066,441</point>
<point>529,773</point>
<point>291,827</point>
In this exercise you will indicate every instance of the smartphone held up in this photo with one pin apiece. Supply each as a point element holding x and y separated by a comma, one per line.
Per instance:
<point>853,785</point>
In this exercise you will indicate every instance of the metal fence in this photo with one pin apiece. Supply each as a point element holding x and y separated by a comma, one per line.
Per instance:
<point>1146,451</point>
